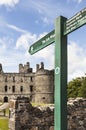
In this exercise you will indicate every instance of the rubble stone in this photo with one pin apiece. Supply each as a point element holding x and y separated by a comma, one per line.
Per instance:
<point>23,116</point>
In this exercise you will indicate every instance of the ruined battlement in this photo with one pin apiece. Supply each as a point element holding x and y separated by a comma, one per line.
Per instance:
<point>1,70</point>
<point>25,68</point>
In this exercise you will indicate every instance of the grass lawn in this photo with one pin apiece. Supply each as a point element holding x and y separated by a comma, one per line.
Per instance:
<point>3,124</point>
<point>4,121</point>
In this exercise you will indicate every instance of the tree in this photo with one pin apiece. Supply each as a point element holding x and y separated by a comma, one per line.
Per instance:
<point>83,88</point>
<point>77,87</point>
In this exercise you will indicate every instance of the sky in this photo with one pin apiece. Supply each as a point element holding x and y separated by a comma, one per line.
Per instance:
<point>23,22</point>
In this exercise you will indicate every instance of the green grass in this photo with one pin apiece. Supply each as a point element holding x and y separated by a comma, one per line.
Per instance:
<point>4,121</point>
<point>7,111</point>
<point>40,104</point>
<point>3,124</point>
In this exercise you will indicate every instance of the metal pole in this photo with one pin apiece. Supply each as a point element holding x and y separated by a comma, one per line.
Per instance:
<point>60,75</point>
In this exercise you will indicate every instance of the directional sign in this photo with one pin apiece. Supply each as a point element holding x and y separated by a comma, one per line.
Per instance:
<point>59,36</point>
<point>75,22</point>
<point>43,42</point>
<point>70,25</point>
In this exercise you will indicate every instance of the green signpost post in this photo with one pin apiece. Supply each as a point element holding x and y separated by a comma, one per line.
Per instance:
<point>62,28</point>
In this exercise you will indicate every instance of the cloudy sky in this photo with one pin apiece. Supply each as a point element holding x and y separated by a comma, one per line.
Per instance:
<point>22,22</point>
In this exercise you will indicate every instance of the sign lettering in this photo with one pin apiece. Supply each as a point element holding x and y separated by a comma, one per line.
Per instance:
<point>75,22</point>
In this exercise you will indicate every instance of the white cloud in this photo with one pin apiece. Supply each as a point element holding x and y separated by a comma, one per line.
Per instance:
<point>11,56</point>
<point>45,20</point>
<point>25,40</point>
<point>5,42</point>
<point>78,1</point>
<point>5,53</point>
<point>2,46</point>
<point>76,60</point>
<point>47,55</point>
<point>9,3</point>
<point>16,28</point>
<point>5,26</point>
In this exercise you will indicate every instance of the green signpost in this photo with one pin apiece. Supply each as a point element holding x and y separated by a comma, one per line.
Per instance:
<point>59,36</point>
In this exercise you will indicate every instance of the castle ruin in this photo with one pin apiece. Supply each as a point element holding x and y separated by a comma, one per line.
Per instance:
<point>38,86</point>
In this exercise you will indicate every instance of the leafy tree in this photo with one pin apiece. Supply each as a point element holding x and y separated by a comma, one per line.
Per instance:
<point>83,88</point>
<point>77,88</point>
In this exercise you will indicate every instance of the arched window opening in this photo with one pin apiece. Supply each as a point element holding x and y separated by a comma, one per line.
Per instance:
<point>5,99</point>
<point>6,88</point>
<point>13,79</point>
<point>6,79</point>
<point>13,89</point>
<point>43,98</point>
<point>31,79</point>
<point>21,80</point>
<point>31,88</point>
<point>21,88</point>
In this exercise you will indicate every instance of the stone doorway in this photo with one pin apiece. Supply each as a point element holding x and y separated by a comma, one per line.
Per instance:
<point>5,99</point>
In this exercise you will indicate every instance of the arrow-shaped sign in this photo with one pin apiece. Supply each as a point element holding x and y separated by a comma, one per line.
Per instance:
<point>43,42</point>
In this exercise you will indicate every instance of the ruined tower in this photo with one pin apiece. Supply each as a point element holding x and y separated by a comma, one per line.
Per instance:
<point>44,85</point>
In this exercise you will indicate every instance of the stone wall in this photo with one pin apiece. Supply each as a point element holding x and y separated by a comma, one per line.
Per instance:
<point>77,114</point>
<point>23,116</point>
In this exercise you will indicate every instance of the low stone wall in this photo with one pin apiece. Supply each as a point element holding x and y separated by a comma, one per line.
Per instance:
<point>23,116</point>
<point>76,114</point>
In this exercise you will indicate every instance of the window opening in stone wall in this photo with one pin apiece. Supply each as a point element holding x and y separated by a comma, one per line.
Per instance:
<point>13,89</point>
<point>5,79</point>
<point>43,98</point>
<point>13,79</point>
<point>31,79</point>
<point>21,88</point>
<point>31,88</point>
<point>21,80</point>
<point>6,88</point>
<point>5,99</point>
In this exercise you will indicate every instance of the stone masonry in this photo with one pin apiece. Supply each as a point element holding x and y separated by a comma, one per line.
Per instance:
<point>37,86</point>
<point>23,116</point>
<point>76,114</point>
